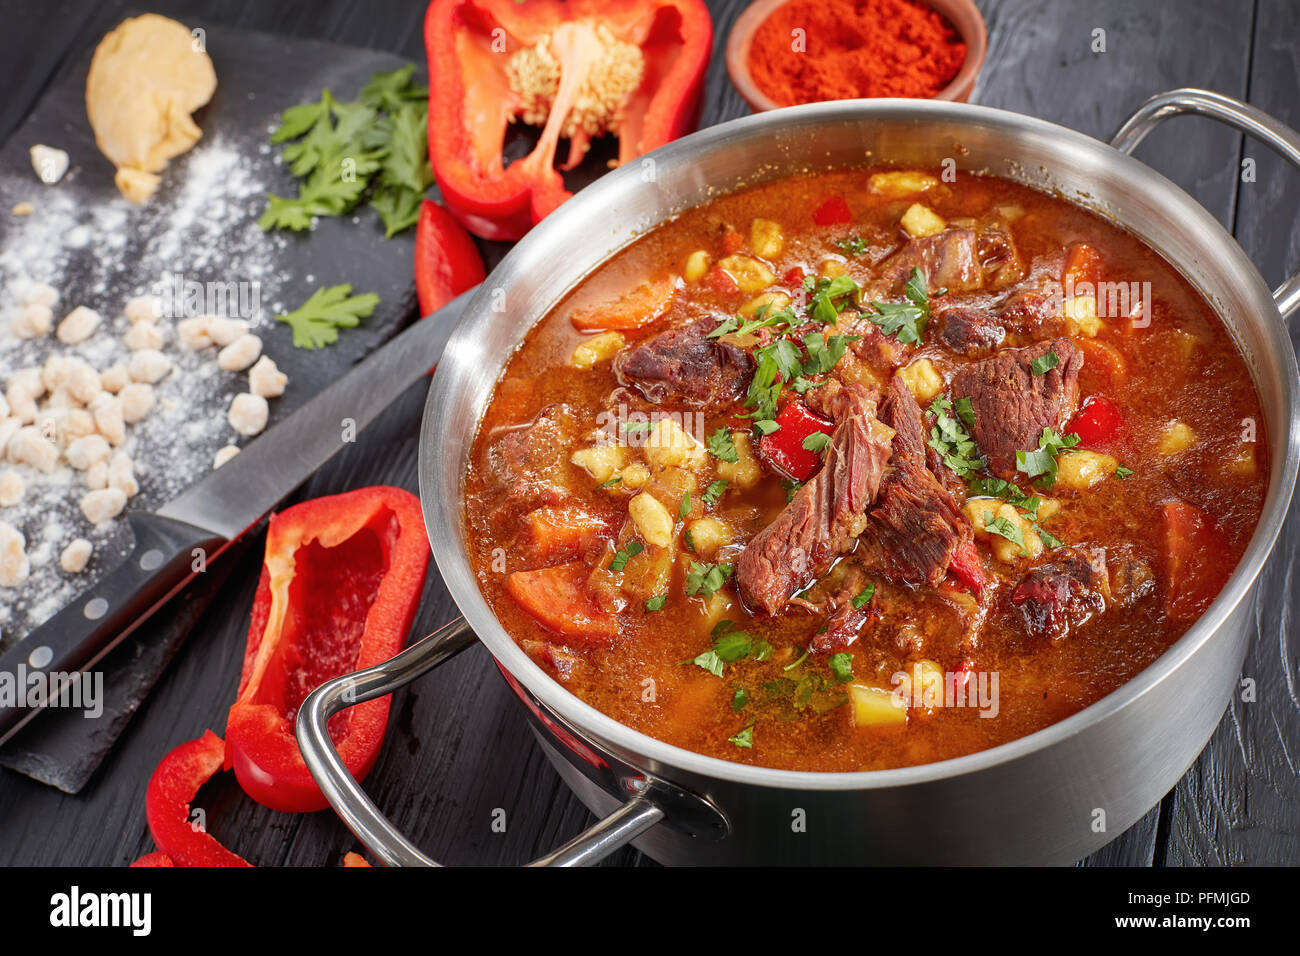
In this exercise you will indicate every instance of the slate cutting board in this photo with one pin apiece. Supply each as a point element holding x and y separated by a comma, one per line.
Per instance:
<point>258,75</point>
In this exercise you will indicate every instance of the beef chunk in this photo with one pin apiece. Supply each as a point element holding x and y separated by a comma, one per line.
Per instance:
<point>1063,592</point>
<point>949,260</point>
<point>1013,405</point>
<point>1131,577</point>
<point>825,516</point>
<point>917,523</point>
<point>999,258</point>
<point>684,365</point>
<point>874,347</point>
<point>969,331</point>
<point>526,460</point>
<point>1030,315</point>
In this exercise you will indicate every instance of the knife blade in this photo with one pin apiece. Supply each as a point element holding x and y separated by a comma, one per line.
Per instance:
<point>175,543</point>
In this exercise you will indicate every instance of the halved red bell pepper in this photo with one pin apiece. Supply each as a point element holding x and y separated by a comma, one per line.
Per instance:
<point>446,260</point>
<point>156,858</point>
<point>339,589</point>
<point>577,69</point>
<point>784,448</point>
<point>167,800</point>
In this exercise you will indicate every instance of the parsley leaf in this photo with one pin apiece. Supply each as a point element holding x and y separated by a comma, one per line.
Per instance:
<point>1121,472</point>
<point>906,321</point>
<point>706,579</point>
<point>1042,460</point>
<point>864,596</point>
<point>656,603</point>
<point>817,442</point>
<point>842,667</point>
<point>622,557</point>
<point>391,90</point>
<point>1006,490</point>
<point>317,321</point>
<point>685,508</point>
<point>744,739</point>
<point>852,246</point>
<point>714,491</point>
<point>739,700</point>
<point>398,207</point>
<point>952,441</point>
<point>1004,528</point>
<point>722,446</point>
<point>1045,363</point>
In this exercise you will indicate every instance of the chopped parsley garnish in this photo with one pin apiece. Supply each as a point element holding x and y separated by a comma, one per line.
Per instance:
<point>1042,460</point>
<point>744,739</point>
<point>730,646</point>
<point>317,321</point>
<point>722,446</point>
<point>622,557</point>
<point>816,442</point>
<point>685,508</point>
<point>824,353</point>
<point>1006,490</point>
<point>607,484</point>
<point>965,411</point>
<point>656,603</point>
<point>852,246</point>
<point>1049,539</point>
<point>739,699</point>
<point>714,491</point>
<point>828,298</point>
<point>864,596</point>
<point>767,426</point>
<point>1121,472</point>
<point>706,579</point>
<point>1045,363</point>
<point>906,321</point>
<point>1005,529</point>
<point>688,540</point>
<point>797,661</point>
<point>637,428</point>
<point>952,441</point>
<point>842,667</point>
<point>790,488</point>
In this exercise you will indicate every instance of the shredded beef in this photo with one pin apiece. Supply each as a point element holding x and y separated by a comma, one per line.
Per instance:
<point>1012,405</point>
<point>1063,592</point>
<point>949,260</point>
<point>969,331</point>
<point>684,365</point>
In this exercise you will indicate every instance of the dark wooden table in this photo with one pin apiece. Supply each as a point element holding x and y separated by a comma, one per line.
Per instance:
<point>458,748</point>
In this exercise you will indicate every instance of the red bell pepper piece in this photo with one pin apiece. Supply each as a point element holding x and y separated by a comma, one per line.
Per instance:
<point>340,586</point>
<point>492,62</point>
<point>354,859</point>
<point>167,800</point>
<point>1196,559</point>
<point>1096,423</point>
<point>784,450</point>
<point>446,260</point>
<point>967,567</point>
<point>793,278</point>
<point>720,282</point>
<point>156,858</point>
<point>833,212</point>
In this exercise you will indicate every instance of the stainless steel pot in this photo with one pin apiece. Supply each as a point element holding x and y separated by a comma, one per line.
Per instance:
<point>1051,797</point>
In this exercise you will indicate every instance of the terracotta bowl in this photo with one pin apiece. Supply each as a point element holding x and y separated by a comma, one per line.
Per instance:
<point>962,14</point>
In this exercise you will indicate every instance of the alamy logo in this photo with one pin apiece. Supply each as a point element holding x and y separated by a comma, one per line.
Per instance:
<point>74,909</point>
<point>37,688</point>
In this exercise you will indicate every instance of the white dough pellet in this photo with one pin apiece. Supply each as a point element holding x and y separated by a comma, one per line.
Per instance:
<point>97,476</point>
<point>72,424</point>
<point>148,366</point>
<point>223,330</point>
<point>55,371</point>
<point>4,407</point>
<point>142,308</point>
<point>8,428</point>
<point>266,379</point>
<point>14,566</point>
<point>143,335</point>
<point>78,325</point>
<point>39,293</point>
<point>21,404</point>
<point>114,378</point>
<point>50,162</point>
<point>248,413</point>
<point>32,321</point>
<point>76,555</point>
<point>223,455</point>
<point>82,382</point>
<point>195,334</point>
<point>240,354</point>
<point>108,419</point>
<point>12,487</point>
<point>31,380</point>
<point>121,474</point>
<point>102,505</point>
<point>137,401</point>
<point>84,452</point>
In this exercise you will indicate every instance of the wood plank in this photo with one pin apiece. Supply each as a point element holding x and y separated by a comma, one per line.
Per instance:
<point>1238,803</point>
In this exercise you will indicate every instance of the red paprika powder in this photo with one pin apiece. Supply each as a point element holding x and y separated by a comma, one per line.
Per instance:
<point>812,50</point>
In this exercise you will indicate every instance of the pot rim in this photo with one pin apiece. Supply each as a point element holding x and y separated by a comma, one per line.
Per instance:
<point>443,506</point>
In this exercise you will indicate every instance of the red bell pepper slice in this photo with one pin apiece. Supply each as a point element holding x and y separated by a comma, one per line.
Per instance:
<point>487,62</point>
<point>171,790</point>
<point>1196,559</point>
<point>784,450</point>
<point>833,212</point>
<point>156,858</point>
<point>1097,423</point>
<point>340,585</point>
<point>967,568</point>
<point>446,260</point>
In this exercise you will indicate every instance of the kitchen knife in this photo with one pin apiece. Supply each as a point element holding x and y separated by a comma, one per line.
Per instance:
<point>177,541</point>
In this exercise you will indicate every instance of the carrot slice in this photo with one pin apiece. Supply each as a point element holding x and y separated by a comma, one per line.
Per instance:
<point>561,532</point>
<point>1195,562</point>
<point>1103,362</point>
<point>558,597</point>
<point>634,309</point>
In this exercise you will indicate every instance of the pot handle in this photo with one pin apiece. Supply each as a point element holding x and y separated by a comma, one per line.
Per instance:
<point>360,814</point>
<point>1240,116</point>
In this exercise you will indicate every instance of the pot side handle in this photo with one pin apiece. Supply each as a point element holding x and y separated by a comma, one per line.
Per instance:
<point>360,814</point>
<point>1240,116</point>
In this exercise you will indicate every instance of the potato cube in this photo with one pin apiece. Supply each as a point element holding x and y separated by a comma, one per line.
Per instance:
<point>766,238</point>
<point>921,221</point>
<point>751,275</point>
<point>744,472</point>
<point>831,267</point>
<point>900,183</point>
<point>652,520</point>
<point>1243,463</point>
<point>670,446</point>
<point>1178,437</point>
<point>634,476</point>
<point>712,610</point>
<point>775,302</point>
<point>596,349</point>
<point>697,266</point>
<point>922,380</point>
<point>600,461</point>
<point>1080,314</point>
<point>1080,470</point>
<point>875,707</point>
<point>707,535</point>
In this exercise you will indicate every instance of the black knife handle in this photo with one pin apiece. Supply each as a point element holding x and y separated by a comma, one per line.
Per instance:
<point>167,553</point>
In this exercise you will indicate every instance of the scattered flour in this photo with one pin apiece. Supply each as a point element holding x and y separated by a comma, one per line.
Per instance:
<point>200,228</point>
